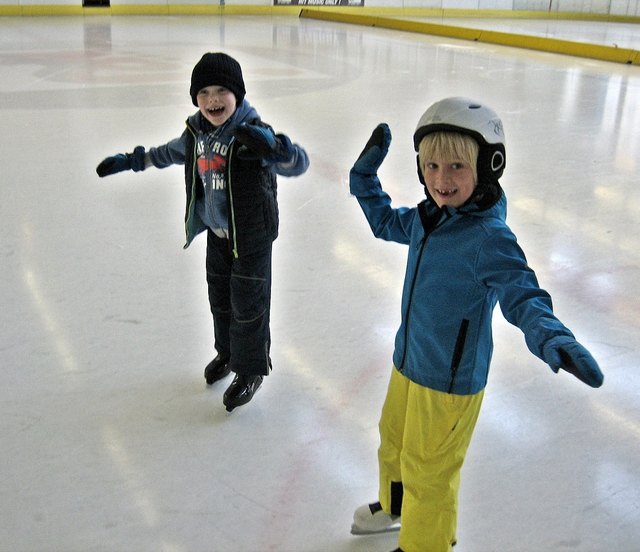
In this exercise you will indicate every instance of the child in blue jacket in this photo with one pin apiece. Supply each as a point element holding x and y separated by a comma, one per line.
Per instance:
<point>231,159</point>
<point>463,259</point>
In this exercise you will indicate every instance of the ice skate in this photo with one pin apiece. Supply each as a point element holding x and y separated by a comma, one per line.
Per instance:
<point>217,369</point>
<point>370,519</point>
<point>241,390</point>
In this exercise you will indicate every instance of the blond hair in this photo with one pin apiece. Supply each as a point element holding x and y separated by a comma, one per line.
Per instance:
<point>453,146</point>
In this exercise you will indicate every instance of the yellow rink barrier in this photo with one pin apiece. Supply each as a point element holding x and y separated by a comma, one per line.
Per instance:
<point>567,47</point>
<point>387,18</point>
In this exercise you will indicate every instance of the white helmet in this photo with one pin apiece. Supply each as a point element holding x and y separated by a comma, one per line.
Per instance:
<point>474,119</point>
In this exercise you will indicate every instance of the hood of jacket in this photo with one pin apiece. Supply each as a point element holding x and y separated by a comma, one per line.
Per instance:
<point>433,216</point>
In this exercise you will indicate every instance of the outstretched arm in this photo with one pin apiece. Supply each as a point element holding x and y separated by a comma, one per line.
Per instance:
<point>171,153</point>
<point>503,267</point>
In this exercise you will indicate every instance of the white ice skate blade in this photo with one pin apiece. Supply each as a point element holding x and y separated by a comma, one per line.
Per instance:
<point>355,530</point>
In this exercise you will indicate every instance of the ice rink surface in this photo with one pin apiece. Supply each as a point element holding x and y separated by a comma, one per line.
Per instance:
<point>112,442</point>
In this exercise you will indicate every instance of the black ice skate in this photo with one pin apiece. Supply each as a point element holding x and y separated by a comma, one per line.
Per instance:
<point>217,369</point>
<point>241,390</point>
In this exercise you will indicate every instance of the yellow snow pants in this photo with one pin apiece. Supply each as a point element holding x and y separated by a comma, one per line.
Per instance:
<point>424,437</point>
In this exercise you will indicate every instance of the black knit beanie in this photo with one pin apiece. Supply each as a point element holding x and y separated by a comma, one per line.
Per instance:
<point>220,70</point>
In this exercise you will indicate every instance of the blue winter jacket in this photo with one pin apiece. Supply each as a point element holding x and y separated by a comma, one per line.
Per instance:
<point>461,262</point>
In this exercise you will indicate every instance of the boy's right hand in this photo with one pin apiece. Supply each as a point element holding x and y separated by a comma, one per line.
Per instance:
<point>122,162</point>
<point>374,151</point>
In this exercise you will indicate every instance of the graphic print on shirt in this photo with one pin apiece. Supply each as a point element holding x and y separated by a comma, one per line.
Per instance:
<point>212,162</point>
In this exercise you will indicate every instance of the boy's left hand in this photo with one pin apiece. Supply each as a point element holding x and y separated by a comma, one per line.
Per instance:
<point>374,151</point>
<point>263,143</point>
<point>566,353</point>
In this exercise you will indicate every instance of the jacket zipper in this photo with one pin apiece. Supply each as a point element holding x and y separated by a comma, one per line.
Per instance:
<point>410,304</point>
<point>457,352</point>
<point>232,214</point>
<point>429,226</point>
<point>193,188</point>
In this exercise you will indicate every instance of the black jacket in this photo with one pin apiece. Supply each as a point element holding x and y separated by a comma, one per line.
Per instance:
<point>251,198</point>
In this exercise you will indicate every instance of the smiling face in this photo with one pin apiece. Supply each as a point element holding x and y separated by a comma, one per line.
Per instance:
<point>217,104</point>
<point>449,182</point>
<point>448,163</point>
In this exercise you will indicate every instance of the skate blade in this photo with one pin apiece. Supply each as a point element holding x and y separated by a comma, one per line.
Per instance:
<point>355,530</point>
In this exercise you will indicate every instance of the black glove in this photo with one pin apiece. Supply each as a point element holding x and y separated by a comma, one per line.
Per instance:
<point>262,143</point>
<point>122,162</point>
<point>374,151</point>
<point>566,353</point>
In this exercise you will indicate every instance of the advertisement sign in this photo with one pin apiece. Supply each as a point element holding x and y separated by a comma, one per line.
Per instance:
<point>318,2</point>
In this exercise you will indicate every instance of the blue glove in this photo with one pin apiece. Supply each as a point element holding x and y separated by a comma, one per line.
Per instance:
<point>262,143</point>
<point>374,151</point>
<point>566,353</point>
<point>122,162</point>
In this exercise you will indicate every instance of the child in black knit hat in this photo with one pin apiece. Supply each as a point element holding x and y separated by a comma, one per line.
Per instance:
<point>231,160</point>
